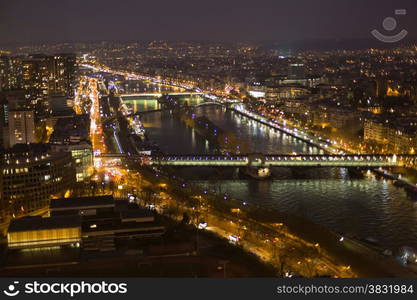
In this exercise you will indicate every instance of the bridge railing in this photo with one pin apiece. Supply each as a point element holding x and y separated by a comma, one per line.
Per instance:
<point>259,160</point>
<point>344,157</point>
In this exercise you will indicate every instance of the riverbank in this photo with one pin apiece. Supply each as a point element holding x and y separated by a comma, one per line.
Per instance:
<point>316,240</point>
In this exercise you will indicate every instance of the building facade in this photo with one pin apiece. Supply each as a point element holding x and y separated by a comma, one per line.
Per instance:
<point>37,232</point>
<point>71,134</point>
<point>82,153</point>
<point>21,127</point>
<point>10,73</point>
<point>45,75</point>
<point>31,176</point>
<point>399,136</point>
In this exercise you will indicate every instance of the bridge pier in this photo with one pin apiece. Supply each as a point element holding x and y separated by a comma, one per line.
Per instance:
<point>257,172</point>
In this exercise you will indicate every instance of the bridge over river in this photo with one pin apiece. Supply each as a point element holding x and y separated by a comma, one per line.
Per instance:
<point>205,103</point>
<point>279,160</point>
<point>156,94</point>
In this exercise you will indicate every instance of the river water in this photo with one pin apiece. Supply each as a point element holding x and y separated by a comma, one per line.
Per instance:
<point>366,207</point>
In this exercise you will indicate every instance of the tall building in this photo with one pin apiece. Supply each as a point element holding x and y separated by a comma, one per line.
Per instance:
<point>30,175</point>
<point>21,127</point>
<point>64,73</point>
<point>10,100</point>
<point>71,134</point>
<point>10,73</point>
<point>38,76</point>
<point>45,75</point>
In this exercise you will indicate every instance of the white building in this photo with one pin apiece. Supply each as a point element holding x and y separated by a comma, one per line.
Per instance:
<point>21,127</point>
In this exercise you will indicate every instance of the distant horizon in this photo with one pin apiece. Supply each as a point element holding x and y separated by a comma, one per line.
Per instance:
<point>296,45</point>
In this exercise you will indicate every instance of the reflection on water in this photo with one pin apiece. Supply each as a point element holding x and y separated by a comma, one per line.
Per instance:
<point>259,138</point>
<point>366,208</point>
<point>330,197</point>
<point>140,86</point>
<point>142,104</point>
<point>149,103</point>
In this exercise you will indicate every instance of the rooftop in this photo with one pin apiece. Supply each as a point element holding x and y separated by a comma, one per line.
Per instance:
<point>136,213</point>
<point>27,155</point>
<point>39,223</point>
<point>81,202</point>
<point>67,128</point>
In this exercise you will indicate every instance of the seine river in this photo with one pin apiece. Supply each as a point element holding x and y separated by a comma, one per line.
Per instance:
<point>366,207</point>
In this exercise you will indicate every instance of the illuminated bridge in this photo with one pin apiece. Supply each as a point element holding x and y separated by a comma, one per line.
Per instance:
<point>266,161</point>
<point>205,103</point>
<point>161,94</point>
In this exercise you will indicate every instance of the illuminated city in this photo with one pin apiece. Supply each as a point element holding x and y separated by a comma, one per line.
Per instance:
<point>176,157</point>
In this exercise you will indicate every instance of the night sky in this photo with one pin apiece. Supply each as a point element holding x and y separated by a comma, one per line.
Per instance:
<point>30,21</point>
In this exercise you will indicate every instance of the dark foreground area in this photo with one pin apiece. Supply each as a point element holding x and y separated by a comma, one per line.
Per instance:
<point>181,252</point>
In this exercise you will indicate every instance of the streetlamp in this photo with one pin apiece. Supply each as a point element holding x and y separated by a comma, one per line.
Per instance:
<point>224,263</point>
